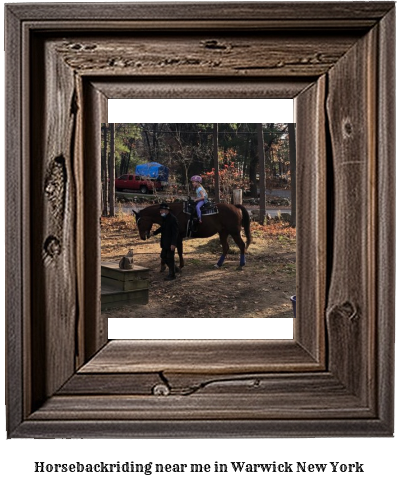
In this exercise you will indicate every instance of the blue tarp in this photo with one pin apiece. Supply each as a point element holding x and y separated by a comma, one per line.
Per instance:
<point>153,170</point>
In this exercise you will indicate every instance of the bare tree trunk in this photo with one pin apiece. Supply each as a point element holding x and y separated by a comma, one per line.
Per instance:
<point>216,161</point>
<point>262,174</point>
<point>154,141</point>
<point>105,172</point>
<point>147,139</point>
<point>128,159</point>
<point>246,155</point>
<point>253,169</point>
<point>292,145</point>
<point>112,172</point>
<point>186,166</point>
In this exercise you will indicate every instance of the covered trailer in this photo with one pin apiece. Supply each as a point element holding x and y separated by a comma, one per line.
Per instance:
<point>153,170</point>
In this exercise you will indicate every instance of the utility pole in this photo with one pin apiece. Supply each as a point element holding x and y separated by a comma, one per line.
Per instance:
<point>262,173</point>
<point>216,161</point>
<point>112,172</point>
<point>104,171</point>
<point>292,145</point>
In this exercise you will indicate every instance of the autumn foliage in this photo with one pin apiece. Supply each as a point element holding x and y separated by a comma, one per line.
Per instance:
<point>230,176</point>
<point>274,230</point>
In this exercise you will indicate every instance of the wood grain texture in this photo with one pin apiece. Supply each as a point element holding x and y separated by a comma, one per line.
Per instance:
<point>385,245</point>
<point>269,396</point>
<point>239,55</point>
<point>311,219</point>
<point>203,407</point>
<point>15,211</point>
<point>139,87</point>
<point>192,428</point>
<point>113,384</point>
<point>198,389</point>
<point>298,24</point>
<point>351,112</point>
<point>54,239</point>
<point>95,329</point>
<point>78,176</point>
<point>185,384</point>
<point>200,356</point>
<point>208,11</point>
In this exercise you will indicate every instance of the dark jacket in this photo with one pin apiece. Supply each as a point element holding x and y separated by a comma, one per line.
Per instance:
<point>169,231</point>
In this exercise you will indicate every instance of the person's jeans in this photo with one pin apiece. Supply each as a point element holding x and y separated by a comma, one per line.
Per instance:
<point>198,208</point>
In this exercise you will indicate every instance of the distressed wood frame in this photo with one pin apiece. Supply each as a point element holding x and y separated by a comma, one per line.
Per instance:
<point>336,377</point>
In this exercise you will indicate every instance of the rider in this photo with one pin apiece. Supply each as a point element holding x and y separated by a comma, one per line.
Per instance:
<point>202,196</point>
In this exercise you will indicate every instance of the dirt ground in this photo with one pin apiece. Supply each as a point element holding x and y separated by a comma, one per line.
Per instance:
<point>262,289</point>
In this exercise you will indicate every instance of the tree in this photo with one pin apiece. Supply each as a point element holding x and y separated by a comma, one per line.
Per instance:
<point>104,170</point>
<point>189,148</point>
<point>292,142</point>
<point>112,171</point>
<point>152,135</point>
<point>216,161</point>
<point>262,175</point>
<point>127,138</point>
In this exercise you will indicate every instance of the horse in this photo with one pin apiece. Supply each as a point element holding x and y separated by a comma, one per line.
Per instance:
<point>227,221</point>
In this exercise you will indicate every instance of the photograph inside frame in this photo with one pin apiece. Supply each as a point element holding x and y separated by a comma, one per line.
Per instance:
<point>198,220</point>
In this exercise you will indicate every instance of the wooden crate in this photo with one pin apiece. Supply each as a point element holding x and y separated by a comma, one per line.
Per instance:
<point>120,287</point>
<point>111,270</point>
<point>114,298</point>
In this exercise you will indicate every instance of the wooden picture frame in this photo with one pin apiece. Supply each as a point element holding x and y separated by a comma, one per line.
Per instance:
<point>335,378</point>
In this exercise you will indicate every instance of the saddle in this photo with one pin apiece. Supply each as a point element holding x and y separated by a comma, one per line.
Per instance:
<point>208,208</point>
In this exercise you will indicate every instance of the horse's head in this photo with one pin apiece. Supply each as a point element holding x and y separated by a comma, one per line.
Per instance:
<point>144,225</point>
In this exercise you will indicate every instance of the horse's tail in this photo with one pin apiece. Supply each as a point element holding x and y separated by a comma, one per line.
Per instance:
<point>246,224</point>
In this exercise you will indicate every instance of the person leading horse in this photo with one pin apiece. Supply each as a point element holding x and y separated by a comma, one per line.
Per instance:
<point>229,220</point>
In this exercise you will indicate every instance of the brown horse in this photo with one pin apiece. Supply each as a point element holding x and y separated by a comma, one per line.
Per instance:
<point>228,221</point>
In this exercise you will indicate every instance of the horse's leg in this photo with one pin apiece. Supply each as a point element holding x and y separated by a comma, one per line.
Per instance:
<point>225,247</point>
<point>241,245</point>
<point>180,252</point>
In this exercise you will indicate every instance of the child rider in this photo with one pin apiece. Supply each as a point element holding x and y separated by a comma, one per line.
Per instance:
<point>202,196</point>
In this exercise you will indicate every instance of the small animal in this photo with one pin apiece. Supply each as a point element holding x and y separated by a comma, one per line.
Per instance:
<point>127,261</point>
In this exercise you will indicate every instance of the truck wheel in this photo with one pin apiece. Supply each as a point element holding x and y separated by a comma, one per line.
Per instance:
<point>143,189</point>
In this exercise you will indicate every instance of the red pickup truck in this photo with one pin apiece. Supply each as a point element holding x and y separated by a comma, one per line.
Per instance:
<point>137,183</point>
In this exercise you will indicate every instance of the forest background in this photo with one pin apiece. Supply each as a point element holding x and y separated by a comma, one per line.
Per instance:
<point>188,148</point>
